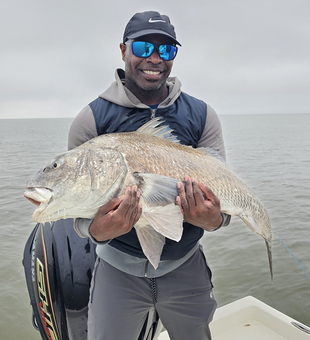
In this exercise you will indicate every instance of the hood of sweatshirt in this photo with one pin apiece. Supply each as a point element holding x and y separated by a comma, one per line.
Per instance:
<point>117,93</point>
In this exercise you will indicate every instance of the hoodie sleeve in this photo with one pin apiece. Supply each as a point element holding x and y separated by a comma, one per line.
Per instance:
<point>212,136</point>
<point>83,128</point>
<point>81,226</point>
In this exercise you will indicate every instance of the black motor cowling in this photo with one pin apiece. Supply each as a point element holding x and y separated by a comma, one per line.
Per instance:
<point>58,268</point>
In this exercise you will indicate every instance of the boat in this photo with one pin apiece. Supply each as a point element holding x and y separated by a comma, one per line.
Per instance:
<point>58,267</point>
<point>251,319</point>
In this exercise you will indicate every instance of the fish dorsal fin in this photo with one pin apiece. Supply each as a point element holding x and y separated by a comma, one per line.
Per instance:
<point>153,128</point>
<point>212,152</point>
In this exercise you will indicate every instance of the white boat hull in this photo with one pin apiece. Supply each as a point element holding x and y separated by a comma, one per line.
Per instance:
<point>251,319</point>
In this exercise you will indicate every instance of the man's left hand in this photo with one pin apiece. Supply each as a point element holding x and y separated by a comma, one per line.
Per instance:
<point>199,204</point>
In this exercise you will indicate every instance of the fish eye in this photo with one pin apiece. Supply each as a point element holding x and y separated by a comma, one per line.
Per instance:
<point>55,165</point>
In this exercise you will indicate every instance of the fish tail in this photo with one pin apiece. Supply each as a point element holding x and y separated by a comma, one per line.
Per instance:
<point>268,244</point>
<point>252,223</point>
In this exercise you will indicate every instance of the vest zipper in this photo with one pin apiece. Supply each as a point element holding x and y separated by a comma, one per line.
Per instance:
<point>153,113</point>
<point>153,290</point>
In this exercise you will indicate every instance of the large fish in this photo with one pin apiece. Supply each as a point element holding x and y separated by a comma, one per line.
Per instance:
<point>76,184</point>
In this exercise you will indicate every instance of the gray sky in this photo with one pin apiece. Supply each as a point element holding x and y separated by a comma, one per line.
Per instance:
<point>242,56</point>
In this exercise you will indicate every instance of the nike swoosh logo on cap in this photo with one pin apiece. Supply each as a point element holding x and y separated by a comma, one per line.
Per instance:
<point>152,21</point>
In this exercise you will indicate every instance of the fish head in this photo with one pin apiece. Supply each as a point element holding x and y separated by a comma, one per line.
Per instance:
<point>76,184</point>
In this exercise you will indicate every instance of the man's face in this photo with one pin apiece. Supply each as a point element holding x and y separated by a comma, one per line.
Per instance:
<point>148,74</point>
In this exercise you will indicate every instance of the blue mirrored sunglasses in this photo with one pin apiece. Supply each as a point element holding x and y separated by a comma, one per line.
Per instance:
<point>144,49</point>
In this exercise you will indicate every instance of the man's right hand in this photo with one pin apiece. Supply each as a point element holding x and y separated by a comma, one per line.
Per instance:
<point>117,217</point>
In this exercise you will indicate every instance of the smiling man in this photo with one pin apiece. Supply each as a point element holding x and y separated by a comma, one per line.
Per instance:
<point>125,287</point>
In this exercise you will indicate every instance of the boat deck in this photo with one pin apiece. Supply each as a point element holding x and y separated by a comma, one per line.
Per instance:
<point>251,319</point>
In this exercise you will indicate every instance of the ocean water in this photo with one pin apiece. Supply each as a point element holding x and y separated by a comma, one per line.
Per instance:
<point>271,153</point>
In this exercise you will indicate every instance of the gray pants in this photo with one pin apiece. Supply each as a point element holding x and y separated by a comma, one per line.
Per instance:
<point>119,302</point>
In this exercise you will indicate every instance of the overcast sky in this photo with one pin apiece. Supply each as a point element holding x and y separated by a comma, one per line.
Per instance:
<point>241,57</point>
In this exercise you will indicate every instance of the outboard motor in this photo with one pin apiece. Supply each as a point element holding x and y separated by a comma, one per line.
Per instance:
<point>58,267</point>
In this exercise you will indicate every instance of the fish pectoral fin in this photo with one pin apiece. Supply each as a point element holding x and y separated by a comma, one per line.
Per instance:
<point>167,220</point>
<point>156,189</point>
<point>151,242</point>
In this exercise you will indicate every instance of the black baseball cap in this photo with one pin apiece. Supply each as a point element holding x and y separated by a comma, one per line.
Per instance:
<point>149,22</point>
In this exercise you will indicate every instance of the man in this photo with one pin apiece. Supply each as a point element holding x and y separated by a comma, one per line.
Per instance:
<point>125,287</point>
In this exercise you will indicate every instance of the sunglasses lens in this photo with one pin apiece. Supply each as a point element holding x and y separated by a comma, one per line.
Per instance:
<point>142,49</point>
<point>167,52</point>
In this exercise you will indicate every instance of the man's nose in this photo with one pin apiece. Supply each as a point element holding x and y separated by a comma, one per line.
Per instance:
<point>154,58</point>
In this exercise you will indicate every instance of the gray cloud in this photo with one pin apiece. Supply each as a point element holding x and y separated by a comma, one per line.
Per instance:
<point>240,56</point>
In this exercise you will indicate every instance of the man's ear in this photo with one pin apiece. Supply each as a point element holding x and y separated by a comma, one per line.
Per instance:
<point>123,50</point>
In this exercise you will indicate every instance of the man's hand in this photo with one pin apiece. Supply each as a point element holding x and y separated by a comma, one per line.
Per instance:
<point>117,217</point>
<point>198,204</point>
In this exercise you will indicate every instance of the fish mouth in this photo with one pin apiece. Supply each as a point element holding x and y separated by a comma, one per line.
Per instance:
<point>41,197</point>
